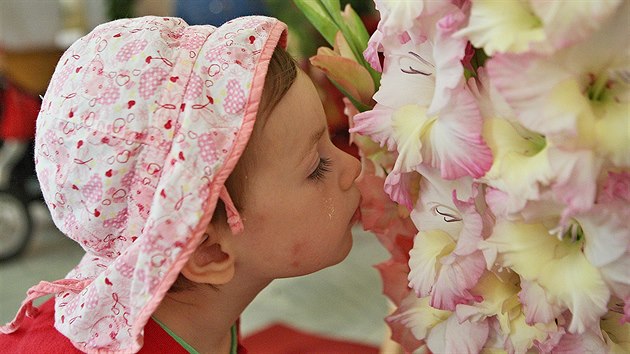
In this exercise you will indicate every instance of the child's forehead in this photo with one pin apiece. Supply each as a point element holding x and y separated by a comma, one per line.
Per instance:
<point>298,116</point>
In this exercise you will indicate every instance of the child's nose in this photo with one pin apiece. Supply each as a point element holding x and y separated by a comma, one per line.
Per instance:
<point>351,170</point>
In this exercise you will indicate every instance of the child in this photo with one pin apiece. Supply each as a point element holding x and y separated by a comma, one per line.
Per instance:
<point>193,165</point>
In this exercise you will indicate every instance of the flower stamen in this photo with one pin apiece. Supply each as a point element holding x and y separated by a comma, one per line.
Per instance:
<point>447,217</point>
<point>413,71</point>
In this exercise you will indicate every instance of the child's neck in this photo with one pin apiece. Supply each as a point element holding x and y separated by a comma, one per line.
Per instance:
<point>203,317</point>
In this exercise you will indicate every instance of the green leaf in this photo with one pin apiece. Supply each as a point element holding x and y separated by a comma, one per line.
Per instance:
<point>357,29</point>
<point>357,36</point>
<point>357,43</point>
<point>332,6</point>
<point>334,11</point>
<point>327,18</point>
<point>319,16</point>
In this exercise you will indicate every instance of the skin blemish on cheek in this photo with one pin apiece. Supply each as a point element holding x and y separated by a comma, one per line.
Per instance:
<point>295,253</point>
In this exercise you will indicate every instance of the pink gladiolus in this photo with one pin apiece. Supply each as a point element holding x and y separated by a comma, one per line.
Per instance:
<point>380,215</point>
<point>617,186</point>
<point>398,16</point>
<point>452,336</point>
<point>373,48</point>
<point>401,187</point>
<point>375,124</point>
<point>497,172</point>
<point>448,53</point>
<point>535,305</point>
<point>413,320</point>
<point>445,262</point>
<point>577,97</point>
<point>394,275</point>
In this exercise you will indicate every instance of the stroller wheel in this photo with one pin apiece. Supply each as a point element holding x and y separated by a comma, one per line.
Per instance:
<point>15,225</point>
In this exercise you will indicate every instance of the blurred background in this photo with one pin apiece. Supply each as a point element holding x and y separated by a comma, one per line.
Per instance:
<point>343,302</point>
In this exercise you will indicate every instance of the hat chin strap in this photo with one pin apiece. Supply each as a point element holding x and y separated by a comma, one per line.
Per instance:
<point>42,289</point>
<point>233,217</point>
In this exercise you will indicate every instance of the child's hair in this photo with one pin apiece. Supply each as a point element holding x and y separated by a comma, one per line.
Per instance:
<point>281,74</point>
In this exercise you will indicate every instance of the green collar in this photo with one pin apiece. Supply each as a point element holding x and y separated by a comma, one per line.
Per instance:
<point>189,348</point>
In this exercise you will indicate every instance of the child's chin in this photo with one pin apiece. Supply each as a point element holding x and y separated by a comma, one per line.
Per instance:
<point>344,248</point>
<point>340,254</point>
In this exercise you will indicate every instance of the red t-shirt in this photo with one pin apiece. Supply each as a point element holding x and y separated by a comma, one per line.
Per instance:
<point>38,333</point>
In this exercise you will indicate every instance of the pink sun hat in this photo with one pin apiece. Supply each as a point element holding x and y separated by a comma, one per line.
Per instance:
<point>143,121</point>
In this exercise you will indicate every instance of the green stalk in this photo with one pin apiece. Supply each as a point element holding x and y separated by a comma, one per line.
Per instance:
<point>319,17</point>
<point>334,11</point>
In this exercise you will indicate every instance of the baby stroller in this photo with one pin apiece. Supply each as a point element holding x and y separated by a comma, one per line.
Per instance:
<point>18,183</point>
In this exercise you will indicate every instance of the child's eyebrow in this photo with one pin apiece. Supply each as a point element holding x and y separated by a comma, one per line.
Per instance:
<point>312,141</point>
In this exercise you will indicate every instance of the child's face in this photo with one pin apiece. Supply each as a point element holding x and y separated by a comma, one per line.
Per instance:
<point>301,199</point>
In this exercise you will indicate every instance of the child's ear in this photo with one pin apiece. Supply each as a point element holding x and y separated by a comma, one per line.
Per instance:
<point>213,261</point>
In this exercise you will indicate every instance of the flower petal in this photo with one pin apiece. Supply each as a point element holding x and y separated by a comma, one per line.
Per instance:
<point>573,282</point>
<point>502,26</point>
<point>617,277</point>
<point>516,245</point>
<point>473,224</point>
<point>416,314</point>
<point>347,73</point>
<point>427,250</point>
<point>561,95</point>
<point>606,232</point>
<point>382,216</point>
<point>515,153</point>
<point>451,336</point>
<point>398,16</point>
<point>394,278</point>
<point>408,122</point>
<point>408,75</point>
<point>455,144</point>
<point>402,187</point>
<point>435,208</point>
<point>574,171</point>
<point>588,342</point>
<point>617,332</point>
<point>448,52</point>
<point>402,335</point>
<point>456,276</point>
<point>497,296</point>
<point>377,124</point>
<point>371,51</point>
<point>570,22</point>
<point>535,305</point>
<point>612,133</point>
<point>522,336</point>
<point>527,81</point>
<point>616,187</point>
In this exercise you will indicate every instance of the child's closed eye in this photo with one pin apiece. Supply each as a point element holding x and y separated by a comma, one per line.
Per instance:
<point>322,168</point>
